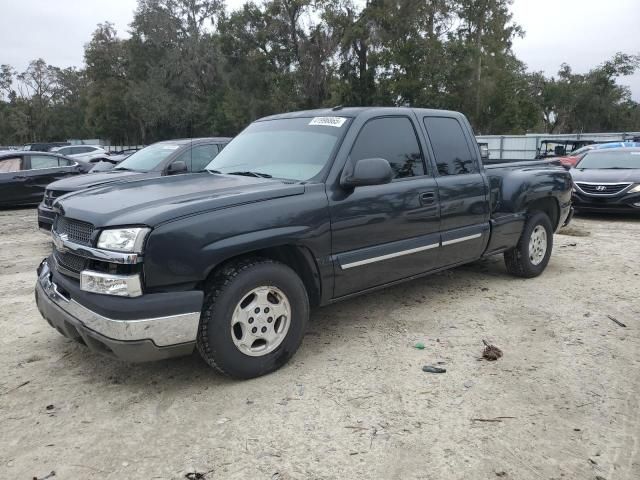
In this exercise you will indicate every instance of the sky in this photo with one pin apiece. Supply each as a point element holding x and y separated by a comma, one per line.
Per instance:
<point>582,33</point>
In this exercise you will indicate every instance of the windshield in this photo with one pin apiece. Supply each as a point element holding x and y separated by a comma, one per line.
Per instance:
<point>603,159</point>
<point>148,158</point>
<point>290,148</point>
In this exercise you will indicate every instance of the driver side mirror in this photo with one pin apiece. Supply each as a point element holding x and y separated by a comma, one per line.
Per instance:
<point>177,167</point>
<point>368,171</point>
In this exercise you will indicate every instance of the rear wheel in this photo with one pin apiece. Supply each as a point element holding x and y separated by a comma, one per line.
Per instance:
<point>254,317</point>
<point>531,255</point>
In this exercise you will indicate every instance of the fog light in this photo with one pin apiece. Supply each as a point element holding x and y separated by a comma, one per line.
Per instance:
<point>637,204</point>
<point>105,284</point>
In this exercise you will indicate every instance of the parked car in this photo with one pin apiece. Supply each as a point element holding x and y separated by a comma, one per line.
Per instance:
<point>43,146</point>
<point>163,158</point>
<point>571,160</point>
<point>114,158</point>
<point>25,174</point>
<point>86,153</point>
<point>608,180</point>
<point>301,209</point>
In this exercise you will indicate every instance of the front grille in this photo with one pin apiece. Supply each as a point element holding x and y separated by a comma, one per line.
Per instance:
<point>71,261</point>
<point>602,188</point>
<point>51,195</point>
<point>76,231</point>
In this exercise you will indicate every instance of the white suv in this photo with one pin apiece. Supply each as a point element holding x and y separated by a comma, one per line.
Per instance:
<point>86,153</point>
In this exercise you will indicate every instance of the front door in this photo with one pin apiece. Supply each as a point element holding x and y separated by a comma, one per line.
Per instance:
<point>383,233</point>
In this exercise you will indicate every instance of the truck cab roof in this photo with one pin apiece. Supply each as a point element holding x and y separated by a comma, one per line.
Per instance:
<point>353,112</point>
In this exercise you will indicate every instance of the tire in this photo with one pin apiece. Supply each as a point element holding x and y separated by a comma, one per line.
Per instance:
<point>226,338</point>
<point>526,262</point>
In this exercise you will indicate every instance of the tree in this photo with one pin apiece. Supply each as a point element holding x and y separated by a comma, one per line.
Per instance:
<point>192,68</point>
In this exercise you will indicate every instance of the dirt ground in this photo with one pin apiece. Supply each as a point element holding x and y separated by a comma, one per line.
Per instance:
<point>563,402</point>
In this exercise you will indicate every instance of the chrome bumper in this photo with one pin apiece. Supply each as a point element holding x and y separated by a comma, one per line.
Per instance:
<point>162,331</point>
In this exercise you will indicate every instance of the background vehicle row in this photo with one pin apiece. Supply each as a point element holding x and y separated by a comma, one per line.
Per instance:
<point>163,158</point>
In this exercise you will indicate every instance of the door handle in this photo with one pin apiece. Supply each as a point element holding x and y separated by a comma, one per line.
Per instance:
<point>427,198</point>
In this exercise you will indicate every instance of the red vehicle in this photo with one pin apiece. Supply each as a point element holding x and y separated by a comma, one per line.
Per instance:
<point>570,161</point>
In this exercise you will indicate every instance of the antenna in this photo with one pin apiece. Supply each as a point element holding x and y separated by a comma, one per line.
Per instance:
<point>336,108</point>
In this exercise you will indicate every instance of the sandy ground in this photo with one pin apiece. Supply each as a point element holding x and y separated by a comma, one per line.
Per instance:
<point>563,402</point>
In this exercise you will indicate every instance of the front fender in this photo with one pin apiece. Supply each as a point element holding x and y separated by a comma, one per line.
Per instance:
<point>184,251</point>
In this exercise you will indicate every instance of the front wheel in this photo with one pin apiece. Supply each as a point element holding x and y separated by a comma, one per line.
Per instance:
<point>253,319</point>
<point>531,255</point>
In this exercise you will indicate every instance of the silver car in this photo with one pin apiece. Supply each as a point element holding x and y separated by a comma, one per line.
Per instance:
<point>85,153</point>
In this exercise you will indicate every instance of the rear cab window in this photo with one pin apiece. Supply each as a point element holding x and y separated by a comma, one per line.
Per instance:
<point>450,147</point>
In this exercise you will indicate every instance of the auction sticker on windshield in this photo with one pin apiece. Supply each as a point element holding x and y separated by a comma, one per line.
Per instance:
<point>328,121</point>
<point>170,147</point>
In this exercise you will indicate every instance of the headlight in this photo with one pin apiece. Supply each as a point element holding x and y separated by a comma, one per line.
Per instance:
<point>635,189</point>
<point>106,284</point>
<point>123,239</point>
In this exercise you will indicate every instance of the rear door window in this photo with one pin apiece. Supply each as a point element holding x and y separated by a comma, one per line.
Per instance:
<point>452,153</point>
<point>10,165</point>
<point>39,162</point>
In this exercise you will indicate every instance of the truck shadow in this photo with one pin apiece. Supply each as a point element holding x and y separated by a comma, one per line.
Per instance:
<point>326,325</point>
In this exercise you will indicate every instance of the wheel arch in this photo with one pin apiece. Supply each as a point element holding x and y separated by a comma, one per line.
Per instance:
<point>297,257</point>
<point>549,206</point>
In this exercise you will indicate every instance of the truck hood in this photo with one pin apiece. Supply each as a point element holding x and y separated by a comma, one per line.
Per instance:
<point>606,175</point>
<point>157,200</point>
<point>80,182</point>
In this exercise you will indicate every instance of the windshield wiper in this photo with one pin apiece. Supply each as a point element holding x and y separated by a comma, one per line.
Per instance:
<point>252,174</point>
<point>124,169</point>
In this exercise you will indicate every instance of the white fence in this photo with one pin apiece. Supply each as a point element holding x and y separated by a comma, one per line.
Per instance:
<point>513,147</point>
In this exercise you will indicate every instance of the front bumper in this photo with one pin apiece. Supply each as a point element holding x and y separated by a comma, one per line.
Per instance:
<point>625,203</point>
<point>132,339</point>
<point>46,216</point>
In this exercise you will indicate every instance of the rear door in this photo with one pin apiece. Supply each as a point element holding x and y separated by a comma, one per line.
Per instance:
<point>12,180</point>
<point>383,233</point>
<point>462,187</point>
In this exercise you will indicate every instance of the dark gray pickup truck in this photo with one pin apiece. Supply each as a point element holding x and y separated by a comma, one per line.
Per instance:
<point>301,209</point>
